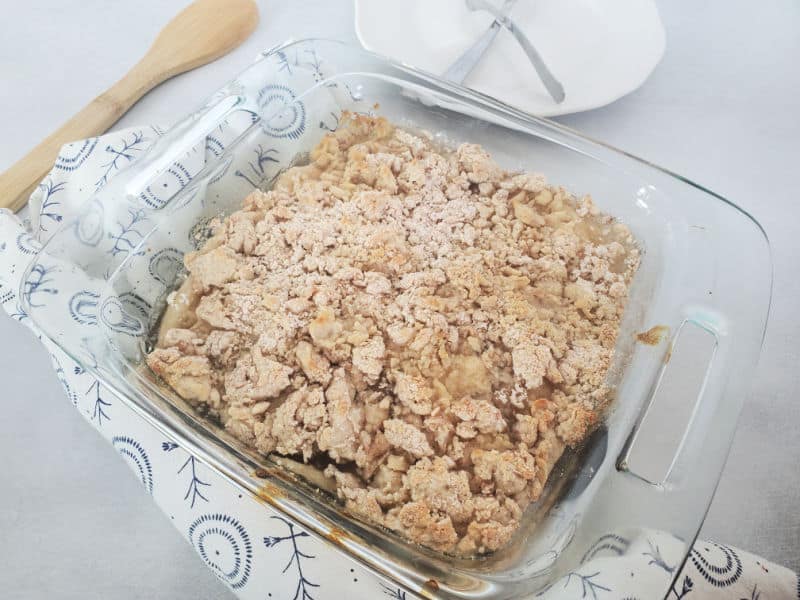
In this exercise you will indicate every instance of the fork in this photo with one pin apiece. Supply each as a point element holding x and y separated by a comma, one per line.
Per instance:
<point>458,71</point>
<point>549,80</point>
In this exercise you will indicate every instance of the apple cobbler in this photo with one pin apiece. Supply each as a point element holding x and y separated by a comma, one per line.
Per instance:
<point>427,328</point>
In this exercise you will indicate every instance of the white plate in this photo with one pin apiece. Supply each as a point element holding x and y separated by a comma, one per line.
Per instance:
<point>599,50</point>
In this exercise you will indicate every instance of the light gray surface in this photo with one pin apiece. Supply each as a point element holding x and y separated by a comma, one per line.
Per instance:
<point>721,109</point>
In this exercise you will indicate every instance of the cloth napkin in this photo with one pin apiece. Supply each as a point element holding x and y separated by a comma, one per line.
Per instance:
<point>261,554</point>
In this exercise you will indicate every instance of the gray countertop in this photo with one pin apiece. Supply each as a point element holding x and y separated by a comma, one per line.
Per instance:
<point>721,109</point>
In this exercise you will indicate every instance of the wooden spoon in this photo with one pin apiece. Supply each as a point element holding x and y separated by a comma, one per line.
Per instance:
<point>202,32</point>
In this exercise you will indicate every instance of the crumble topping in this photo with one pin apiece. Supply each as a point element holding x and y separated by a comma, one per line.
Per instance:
<point>434,328</point>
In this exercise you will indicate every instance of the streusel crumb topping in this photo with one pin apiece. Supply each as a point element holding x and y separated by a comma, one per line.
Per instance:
<point>433,327</point>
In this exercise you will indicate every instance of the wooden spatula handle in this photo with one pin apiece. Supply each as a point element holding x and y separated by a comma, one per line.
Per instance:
<point>19,181</point>
<point>200,33</point>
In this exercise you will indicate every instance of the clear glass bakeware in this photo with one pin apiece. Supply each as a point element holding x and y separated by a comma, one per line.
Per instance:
<point>705,264</point>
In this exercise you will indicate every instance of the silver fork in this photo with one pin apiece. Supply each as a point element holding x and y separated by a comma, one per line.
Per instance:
<point>463,66</point>
<point>553,86</point>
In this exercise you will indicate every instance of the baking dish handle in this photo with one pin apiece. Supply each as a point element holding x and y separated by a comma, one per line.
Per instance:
<point>689,391</point>
<point>188,150</point>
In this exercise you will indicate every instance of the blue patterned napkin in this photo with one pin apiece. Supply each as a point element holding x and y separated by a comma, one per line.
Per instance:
<point>259,553</point>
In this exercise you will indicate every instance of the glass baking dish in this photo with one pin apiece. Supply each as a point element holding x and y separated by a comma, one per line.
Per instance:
<point>705,264</point>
